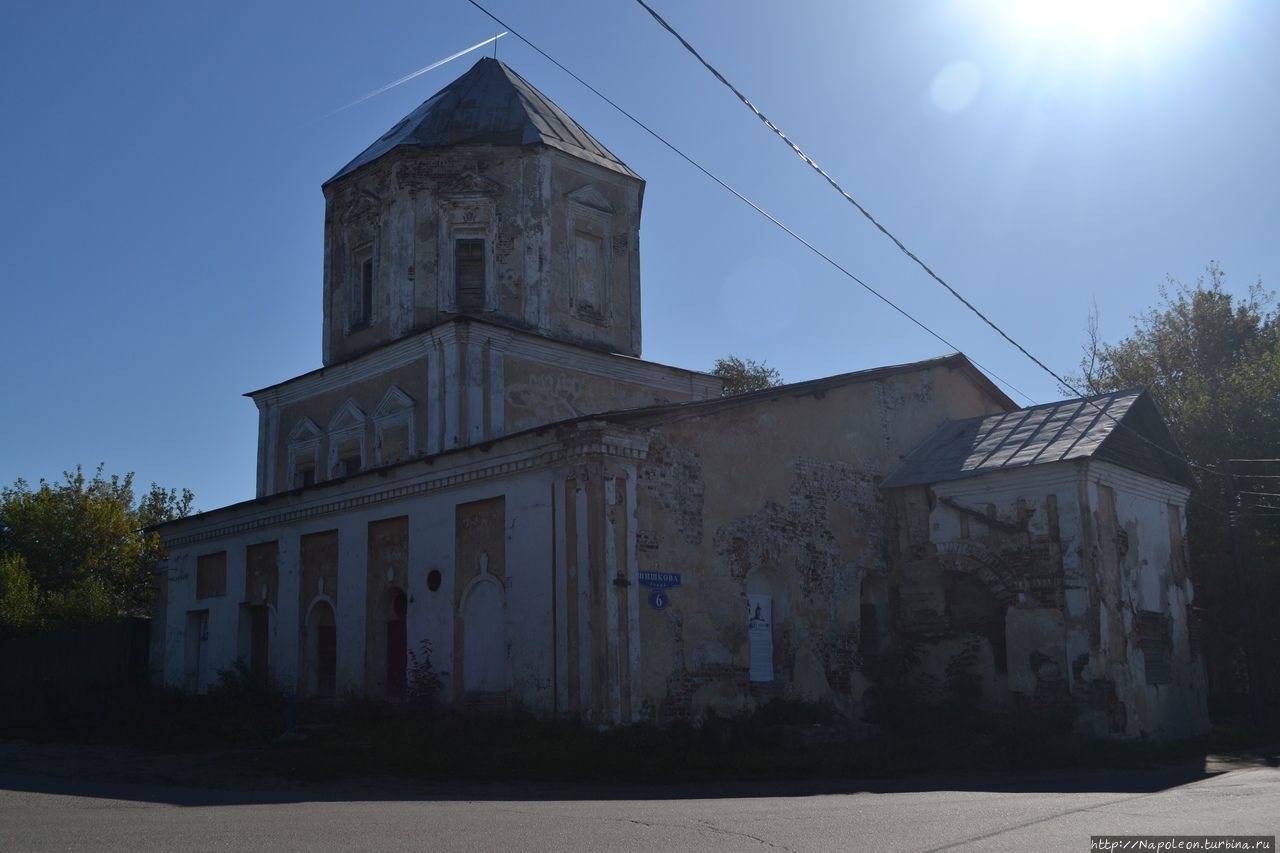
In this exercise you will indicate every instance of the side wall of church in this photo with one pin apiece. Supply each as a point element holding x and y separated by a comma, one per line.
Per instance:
<point>766,520</point>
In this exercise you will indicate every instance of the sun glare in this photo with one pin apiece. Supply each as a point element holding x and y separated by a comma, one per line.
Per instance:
<point>1105,26</point>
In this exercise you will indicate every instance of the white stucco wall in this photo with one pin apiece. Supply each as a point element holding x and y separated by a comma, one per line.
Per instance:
<point>431,521</point>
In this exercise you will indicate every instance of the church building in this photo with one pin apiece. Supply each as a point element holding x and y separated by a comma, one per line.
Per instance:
<point>484,462</point>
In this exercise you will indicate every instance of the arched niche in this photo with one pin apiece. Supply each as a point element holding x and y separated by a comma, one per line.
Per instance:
<point>484,638</point>
<point>321,649</point>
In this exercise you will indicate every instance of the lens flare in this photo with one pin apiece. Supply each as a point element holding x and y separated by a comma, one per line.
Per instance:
<point>1106,26</point>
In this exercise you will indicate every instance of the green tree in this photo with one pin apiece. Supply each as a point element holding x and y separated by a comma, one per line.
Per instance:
<point>21,604</point>
<point>78,548</point>
<point>1211,361</point>
<point>745,375</point>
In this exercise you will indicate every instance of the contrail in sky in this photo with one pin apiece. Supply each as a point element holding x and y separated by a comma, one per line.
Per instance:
<point>406,78</point>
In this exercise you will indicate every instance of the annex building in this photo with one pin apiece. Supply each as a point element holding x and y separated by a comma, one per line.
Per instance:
<point>485,462</point>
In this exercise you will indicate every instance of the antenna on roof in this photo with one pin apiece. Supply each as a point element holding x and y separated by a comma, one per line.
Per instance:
<point>495,45</point>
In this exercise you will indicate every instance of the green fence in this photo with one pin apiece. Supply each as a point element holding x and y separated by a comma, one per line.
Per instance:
<point>72,661</point>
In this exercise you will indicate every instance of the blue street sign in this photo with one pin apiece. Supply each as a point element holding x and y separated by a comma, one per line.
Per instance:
<point>658,599</point>
<point>659,580</point>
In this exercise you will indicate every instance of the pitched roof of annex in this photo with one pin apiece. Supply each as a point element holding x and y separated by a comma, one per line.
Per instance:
<point>1122,427</point>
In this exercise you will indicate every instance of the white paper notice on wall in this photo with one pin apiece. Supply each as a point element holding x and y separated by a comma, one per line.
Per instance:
<point>760,636</point>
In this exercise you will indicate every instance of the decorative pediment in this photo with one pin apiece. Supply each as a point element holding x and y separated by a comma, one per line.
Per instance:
<point>470,186</point>
<point>349,416</point>
<point>305,430</point>
<point>394,401</point>
<point>591,197</point>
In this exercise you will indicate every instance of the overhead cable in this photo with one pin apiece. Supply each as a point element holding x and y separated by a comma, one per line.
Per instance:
<point>897,242</point>
<point>757,208</point>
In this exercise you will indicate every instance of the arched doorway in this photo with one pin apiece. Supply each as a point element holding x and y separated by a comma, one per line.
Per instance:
<point>973,609</point>
<point>322,650</point>
<point>397,659</point>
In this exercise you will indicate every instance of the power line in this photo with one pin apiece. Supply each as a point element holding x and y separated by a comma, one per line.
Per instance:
<point>843,192</point>
<point>901,246</point>
<point>757,208</point>
<point>792,233</point>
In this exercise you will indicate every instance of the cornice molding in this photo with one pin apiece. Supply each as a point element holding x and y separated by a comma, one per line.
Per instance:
<point>610,444</point>
<point>533,347</point>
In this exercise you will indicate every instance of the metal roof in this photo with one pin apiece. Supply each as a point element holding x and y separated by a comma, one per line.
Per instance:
<point>489,105</point>
<point>1122,427</point>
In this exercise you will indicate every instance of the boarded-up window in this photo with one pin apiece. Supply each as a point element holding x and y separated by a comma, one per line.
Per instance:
<point>1152,633</point>
<point>760,636</point>
<point>211,575</point>
<point>349,453</point>
<point>469,261</point>
<point>393,444</point>
<point>366,290</point>
<point>588,271</point>
<point>361,305</point>
<point>261,572</point>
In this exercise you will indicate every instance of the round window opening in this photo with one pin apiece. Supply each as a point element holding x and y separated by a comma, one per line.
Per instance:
<point>433,580</point>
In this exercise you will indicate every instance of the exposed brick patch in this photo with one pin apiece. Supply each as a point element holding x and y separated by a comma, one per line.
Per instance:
<point>800,534</point>
<point>838,651</point>
<point>1101,696</point>
<point>672,476</point>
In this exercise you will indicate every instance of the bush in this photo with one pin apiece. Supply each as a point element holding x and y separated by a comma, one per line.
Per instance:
<point>21,605</point>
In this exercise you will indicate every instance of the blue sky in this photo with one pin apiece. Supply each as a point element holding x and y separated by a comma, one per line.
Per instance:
<point>161,214</point>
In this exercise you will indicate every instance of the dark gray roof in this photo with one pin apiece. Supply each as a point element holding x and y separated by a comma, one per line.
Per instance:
<point>489,105</point>
<point>1122,427</point>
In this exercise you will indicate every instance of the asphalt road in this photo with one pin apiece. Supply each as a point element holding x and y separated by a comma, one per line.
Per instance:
<point>1047,812</point>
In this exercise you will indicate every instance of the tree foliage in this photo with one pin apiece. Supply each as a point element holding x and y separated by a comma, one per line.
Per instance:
<point>75,551</point>
<point>1211,361</point>
<point>743,375</point>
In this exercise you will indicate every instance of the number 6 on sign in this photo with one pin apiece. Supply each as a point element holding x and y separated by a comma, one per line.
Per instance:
<point>658,599</point>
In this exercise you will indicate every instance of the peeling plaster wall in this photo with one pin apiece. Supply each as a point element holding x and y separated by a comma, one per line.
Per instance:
<point>1140,558</point>
<point>776,496</point>
<point>537,394</point>
<point>408,207</point>
<point>469,383</point>
<point>1013,537</point>
<point>1046,543</point>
